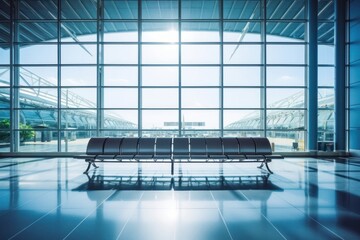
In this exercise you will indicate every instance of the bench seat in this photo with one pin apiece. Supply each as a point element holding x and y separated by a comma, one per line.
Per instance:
<point>244,149</point>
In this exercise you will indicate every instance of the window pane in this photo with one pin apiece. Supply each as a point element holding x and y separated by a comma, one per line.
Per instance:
<point>38,141</point>
<point>200,119</point>
<point>200,32</point>
<point>78,31</point>
<point>326,124</point>
<point>78,97</point>
<point>326,9</point>
<point>78,76</point>
<point>285,98</point>
<point>196,9</point>
<point>80,54</point>
<point>160,54</point>
<point>154,9</point>
<point>160,98</point>
<point>200,133</point>
<point>75,141</point>
<point>286,141</point>
<point>285,119</point>
<point>38,76</point>
<point>120,54</point>
<point>200,76</point>
<point>160,133</point>
<point>5,54</point>
<point>120,98</point>
<point>242,119</point>
<point>160,119</point>
<point>37,119</point>
<point>200,54</point>
<point>4,102</point>
<point>38,54</point>
<point>38,97</point>
<point>242,76</point>
<point>125,133</point>
<point>285,32</point>
<point>5,32</point>
<point>120,119</point>
<point>121,32</point>
<point>242,54</point>
<point>326,54</point>
<point>285,54</point>
<point>78,119</point>
<point>39,9</point>
<point>200,98</point>
<point>241,98</point>
<point>326,76</point>
<point>290,9</point>
<point>120,76</point>
<point>326,33</point>
<point>78,9</point>
<point>121,9</point>
<point>243,133</point>
<point>242,32</point>
<point>4,76</point>
<point>160,32</point>
<point>160,76</point>
<point>4,140</point>
<point>242,9</point>
<point>326,98</point>
<point>5,7</point>
<point>34,31</point>
<point>285,76</point>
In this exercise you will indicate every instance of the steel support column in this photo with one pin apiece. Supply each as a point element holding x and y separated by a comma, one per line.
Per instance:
<point>312,77</point>
<point>15,71</point>
<point>340,101</point>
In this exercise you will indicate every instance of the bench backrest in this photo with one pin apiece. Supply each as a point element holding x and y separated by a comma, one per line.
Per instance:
<point>129,146</point>
<point>181,146</point>
<point>95,146</point>
<point>231,146</point>
<point>163,146</point>
<point>112,146</point>
<point>147,146</point>
<point>214,146</point>
<point>263,146</point>
<point>197,146</point>
<point>246,146</point>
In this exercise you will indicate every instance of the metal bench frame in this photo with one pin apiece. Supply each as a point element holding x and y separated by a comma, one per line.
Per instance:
<point>174,150</point>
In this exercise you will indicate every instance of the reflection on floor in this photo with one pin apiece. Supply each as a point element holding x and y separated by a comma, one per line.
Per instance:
<point>306,198</point>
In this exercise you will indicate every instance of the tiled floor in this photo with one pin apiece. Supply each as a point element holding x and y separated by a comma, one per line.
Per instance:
<point>306,198</point>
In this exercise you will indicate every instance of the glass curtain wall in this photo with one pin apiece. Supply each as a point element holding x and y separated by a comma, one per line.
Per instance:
<point>75,69</point>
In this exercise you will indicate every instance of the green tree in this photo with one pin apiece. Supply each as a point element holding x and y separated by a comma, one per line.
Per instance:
<point>26,131</point>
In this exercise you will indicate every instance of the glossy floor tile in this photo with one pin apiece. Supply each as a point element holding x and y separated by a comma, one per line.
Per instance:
<point>305,198</point>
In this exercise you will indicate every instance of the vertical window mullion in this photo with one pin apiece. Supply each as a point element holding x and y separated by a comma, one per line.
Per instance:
<point>221,70</point>
<point>179,67</point>
<point>139,68</point>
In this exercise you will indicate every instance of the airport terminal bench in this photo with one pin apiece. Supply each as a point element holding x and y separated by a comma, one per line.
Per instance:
<point>172,150</point>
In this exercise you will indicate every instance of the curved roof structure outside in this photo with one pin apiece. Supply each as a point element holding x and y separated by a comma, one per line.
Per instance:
<point>191,9</point>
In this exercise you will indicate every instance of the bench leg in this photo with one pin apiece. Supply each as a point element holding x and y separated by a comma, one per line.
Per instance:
<point>94,165</point>
<point>88,167</point>
<point>267,166</point>
<point>261,165</point>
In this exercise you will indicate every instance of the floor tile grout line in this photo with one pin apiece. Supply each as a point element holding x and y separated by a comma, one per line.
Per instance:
<point>313,219</point>
<point>268,220</point>
<point>130,215</point>
<point>88,215</point>
<point>22,230</point>
<point>222,217</point>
